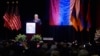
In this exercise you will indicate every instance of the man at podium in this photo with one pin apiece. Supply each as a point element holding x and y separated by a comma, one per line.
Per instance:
<point>36,19</point>
<point>38,23</point>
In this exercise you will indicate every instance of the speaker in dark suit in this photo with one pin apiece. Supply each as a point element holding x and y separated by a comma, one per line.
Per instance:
<point>37,19</point>
<point>38,22</point>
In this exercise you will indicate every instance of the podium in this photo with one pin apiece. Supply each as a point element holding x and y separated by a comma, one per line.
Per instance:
<point>32,28</point>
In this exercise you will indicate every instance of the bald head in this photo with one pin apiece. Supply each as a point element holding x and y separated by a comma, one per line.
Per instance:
<point>36,16</point>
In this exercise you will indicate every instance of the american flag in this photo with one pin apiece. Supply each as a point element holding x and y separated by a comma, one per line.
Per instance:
<point>6,19</point>
<point>12,19</point>
<point>16,19</point>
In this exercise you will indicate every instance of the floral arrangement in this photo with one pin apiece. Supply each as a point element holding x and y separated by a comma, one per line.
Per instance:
<point>36,37</point>
<point>20,37</point>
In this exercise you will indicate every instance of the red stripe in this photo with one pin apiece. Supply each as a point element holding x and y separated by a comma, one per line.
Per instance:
<point>16,21</point>
<point>12,21</point>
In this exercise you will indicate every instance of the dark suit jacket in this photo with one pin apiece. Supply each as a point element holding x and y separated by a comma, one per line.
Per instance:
<point>38,21</point>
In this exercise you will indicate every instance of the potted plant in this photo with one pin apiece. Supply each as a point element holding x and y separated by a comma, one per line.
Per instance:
<point>20,37</point>
<point>36,37</point>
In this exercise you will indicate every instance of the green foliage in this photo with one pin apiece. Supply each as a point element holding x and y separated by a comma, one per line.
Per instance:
<point>36,37</point>
<point>20,37</point>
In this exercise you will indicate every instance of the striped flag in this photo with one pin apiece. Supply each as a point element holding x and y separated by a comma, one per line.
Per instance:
<point>64,12</point>
<point>70,12</point>
<point>81,17</point>
<point>84,16</point>
<point>6,18</point>
<point>12,19</point>
<point>74,13</point>
<point>59,12</point>
<point>16,19</point>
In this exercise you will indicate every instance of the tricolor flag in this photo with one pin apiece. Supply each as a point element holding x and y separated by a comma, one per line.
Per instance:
<point>64,12</point>
<point>88,17</point>
<point>84,16</point>
<point>75,13</point>
<point>59,12</point>
<point>67,12</point>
